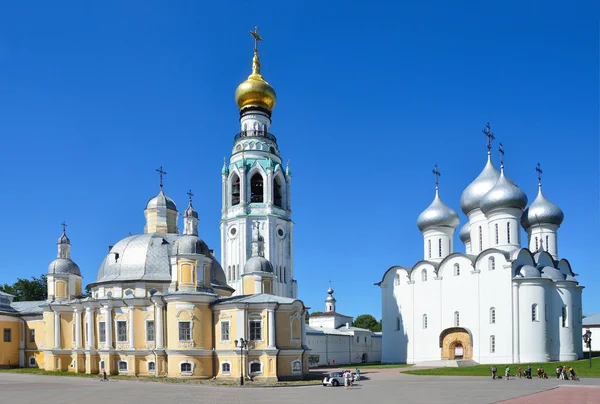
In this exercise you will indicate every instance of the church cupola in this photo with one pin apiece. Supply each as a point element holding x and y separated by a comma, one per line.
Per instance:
<point>437,223</point>
<point>161,212</point>
<point>64,276</point>
<point>258,273</point>
<point>190,218</point>
<point>330,300</point>
<point>541,221</point>
<point>503,206</point>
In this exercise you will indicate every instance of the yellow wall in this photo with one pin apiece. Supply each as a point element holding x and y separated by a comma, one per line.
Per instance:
<point>139,331</point>
<point>234,333</point>
<point>248,285</point>
<point>48,329</point>
<point>66,330</point>
<point>201,316</point>
<point>9,351</point>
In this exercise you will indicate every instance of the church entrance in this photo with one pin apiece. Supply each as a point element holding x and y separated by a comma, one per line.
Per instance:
<point>456,343</point>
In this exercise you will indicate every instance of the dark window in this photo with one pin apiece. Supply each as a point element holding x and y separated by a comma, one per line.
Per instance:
<point>255,367</point>
<point>235,190</point>
<point>256,188</point>
<point>186,367</point>
<point>508,232</point>
<point>122,366</point>
<point>121,331</point>
<point>151,366</point>
<point>7,335</point>
<point>102,331</point>
<point>150,330</point>
<point>31,335</point>
<point>185,331</point>
<point>225,368</point>
<point>278,200</point>
<point>255,330</point>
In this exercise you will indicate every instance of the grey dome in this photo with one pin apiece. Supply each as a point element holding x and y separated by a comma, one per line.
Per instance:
<point>63,266</point>
<point>437,214</point>
<point>190,244</point>
<point>552,273</point>
<point>330,299</point>
<point>161,201</point>
<point>63,239</point>
<point>504,194</point>
<point>541,211</point>
<point>258,264</point>
<point>527,271</point>
<point>472,195</point>
<point>190,212</point>
<point>465,233</point>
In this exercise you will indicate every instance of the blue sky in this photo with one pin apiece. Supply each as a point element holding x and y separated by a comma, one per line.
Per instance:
<point>93,98</point>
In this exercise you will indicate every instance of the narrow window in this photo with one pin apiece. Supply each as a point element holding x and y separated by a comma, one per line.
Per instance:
<point>492,343</point>
<point>255,330</point>
<point>256,188</point>
<point>397,281</point>
<point>424,320</point>
<point>492,315</point>
<point>357,340</point>
<point>497,233</point>
<point>235,190</point>
<point>480,239</point>
<point>150,330</point>
<point>151,366</point>
<point>440,248</point>
<point>397,323</point>
<point>564,316</point>
<point>424,275</point>
<point>7,335</point>
<point>224,330</point>
<point>225,368</point>
<point>456,269</point>
<point>102,331</point>
<point>546,312</point>
<point>31,335</point>
<point>547,243</point>
<point>121,331</point>
<point>278,200</point>
<point>456,319</point>
<point>428,248</point>
<point>536,244</point>
<point>185,331</point>
<point>508,232</point>
<point>534,312</point>
<point>186,368</point>
<point>492,263</point>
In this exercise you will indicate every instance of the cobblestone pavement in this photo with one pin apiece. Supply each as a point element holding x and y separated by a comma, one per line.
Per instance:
<point>386,385</point>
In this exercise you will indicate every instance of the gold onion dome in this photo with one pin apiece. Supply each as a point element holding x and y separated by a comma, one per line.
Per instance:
<point>255,91</point>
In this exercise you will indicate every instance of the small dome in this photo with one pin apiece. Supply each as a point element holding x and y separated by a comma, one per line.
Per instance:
<point>465,233</point>
<point>330,299</point>
<point>504,194</point>
<point>257,237</point>
<point>472,195</point>
<point>63,266</point>
<point>255,91</point>
<point>437,214</point>
<point>189,244</point>
<point>160,201</point>
<point>190,211</point>
<point>542,211</point>
<point>552,273</point>
<point>63,239</point>
<point>527,271</point>
<point>258,264</point>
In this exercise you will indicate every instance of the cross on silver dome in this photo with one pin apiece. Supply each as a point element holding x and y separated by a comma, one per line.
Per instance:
<point>538,168</point>
<point>541,211</point>
<point>438,214</point>
<point>161,172</point>
<point>487,131</point>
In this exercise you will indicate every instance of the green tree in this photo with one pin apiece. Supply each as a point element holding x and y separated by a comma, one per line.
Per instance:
<point>311,314</point>
<point>367,321</point>
<point>27,290</point>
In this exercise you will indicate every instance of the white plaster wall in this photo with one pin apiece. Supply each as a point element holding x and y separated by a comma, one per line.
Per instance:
<point>502,217</point>
<point>532,339</point>
<point>477,219</point>
<point>427,300</point>
<point>567,343</point>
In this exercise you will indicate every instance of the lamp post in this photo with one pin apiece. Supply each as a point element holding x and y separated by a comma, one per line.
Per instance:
<point>587,338</point>
<point>242,344</point>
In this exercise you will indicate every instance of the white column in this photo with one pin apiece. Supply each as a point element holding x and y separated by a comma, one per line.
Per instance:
<point>303,329</point>
<point>77,316</point>
<point>56,330</point>
<point>131,316</point>
<point>516,331</point>
<point>269,187</point>
<point>108,327</point>
<point>271,324</point>
<point>158,327</point>
<point>90,328</point>
<point>243,186</point>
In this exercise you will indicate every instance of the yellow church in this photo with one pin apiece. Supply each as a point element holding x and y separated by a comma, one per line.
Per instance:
<point>161,304</point>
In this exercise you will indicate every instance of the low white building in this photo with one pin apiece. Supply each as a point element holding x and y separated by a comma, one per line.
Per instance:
<point>332,339</point>
<point>495,303</point>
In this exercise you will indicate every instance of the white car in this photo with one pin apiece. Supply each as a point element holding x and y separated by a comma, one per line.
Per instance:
<point>334,379</point>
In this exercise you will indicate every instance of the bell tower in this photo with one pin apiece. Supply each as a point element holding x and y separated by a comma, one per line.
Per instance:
<point>256,189</point>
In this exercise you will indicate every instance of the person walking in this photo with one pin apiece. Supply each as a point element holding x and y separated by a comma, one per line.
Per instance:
<point>507,372</point>
<point>104,378</point>
<point>520,371</point>
<point>494,370</point>
<point>346,379</point>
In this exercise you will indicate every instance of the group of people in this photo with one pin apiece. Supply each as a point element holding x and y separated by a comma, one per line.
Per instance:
<point>348,378</point>
<point>561,373</point>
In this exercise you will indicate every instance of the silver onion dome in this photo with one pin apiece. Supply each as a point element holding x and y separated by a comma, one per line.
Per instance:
<point>465,233</point>
<point>504,194</point>
<point>258,264</point>
<point>161,200</point>
<point>330,298</point>
<point>438,214</point>
<point>63,266</point>
<point>190,211</point>
<point>190,244</point>
<point>63,239</point>
<point>541,211</point>
<point>472,195</point>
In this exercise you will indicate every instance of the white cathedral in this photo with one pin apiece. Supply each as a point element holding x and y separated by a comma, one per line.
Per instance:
<point>497,302</point>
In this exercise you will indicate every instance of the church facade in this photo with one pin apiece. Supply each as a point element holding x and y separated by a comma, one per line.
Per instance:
<point>161,304</point>
<point>496,302</point>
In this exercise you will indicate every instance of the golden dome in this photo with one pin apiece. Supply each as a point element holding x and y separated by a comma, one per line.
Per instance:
<point>255,91</point>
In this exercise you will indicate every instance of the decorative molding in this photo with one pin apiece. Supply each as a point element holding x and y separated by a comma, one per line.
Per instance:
<point>186,344</point>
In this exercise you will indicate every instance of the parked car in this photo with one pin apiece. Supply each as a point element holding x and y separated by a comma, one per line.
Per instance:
<point>334,379</point>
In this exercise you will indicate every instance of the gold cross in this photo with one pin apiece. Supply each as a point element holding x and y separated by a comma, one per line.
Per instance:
<point>256,37</point>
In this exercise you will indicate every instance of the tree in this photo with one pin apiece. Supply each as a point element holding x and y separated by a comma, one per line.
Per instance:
<point>309,314</point>
<point>27,290</point>
<point>367,321</point>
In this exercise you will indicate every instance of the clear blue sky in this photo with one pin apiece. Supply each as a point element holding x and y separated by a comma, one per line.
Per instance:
<point>93,98</point>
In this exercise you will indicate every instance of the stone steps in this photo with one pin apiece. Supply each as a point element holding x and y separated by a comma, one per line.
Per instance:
<point>445,363</point>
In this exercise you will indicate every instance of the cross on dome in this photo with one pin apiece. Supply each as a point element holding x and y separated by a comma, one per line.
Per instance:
<point>538,168</point>
<point>437,174</point>
<point>501,150</point>
<point>487,131</point>
<point>64,226</point>
<point>190,194</point>
<point>256,37</point>
<point>161,172</point>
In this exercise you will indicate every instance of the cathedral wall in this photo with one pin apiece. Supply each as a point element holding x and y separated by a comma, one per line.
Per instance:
<point>66,330</point>
<point>283,330</point>
<point>141,316</point>
<point>37,325</point>
<point>200,316</point>
<point>426,302</point>
<point>230,316</point>
<point>9,351</point>
<point>533,345</point>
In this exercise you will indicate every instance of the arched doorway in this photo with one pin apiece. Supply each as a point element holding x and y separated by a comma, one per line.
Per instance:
<point>456,343</point>
<point>364,358</point>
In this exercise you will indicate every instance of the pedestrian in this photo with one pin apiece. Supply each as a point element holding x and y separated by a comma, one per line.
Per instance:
<point>507,372</point>
<point>558,372</point>
<point>104,378</point>
<point>494,370</point>
<point>346,379</point>
<point>519,371</point>
<point>528,374</point>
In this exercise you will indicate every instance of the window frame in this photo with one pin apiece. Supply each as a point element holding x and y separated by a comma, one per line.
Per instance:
<point>255,362</point>
<point>497,234</point>
<point>150,326</point>
<point>186,372</point>
<point>252,331</point>
<point>150,364</point>
<point>126,370</point>
<point>439,247</point>
<point>424,321</point>
<point>223,371</point>
<point>508,232</point>
<point>457,269</point>
<point>227,329</point>
<point>34,364</point>
<point>492,315</point>
<point>564,317</point>
<point>8,335</point>
<point>492,344</point>
<point>119,326</point>
<point>424,275</point>
<point>492,263</point>
<point>180,329</point>
<point>32,335</point>
<point>102,331</point>
<point>457,318</point>
<point>534,312</point>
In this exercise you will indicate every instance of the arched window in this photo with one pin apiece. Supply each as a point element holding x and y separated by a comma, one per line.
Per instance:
<point>397,323</point>
<point>151,366</point>
<point>492,263</point>
<point>492,343</point>
<point>440,248</point>
<point>508,232</point>
<point>492,315</point>
<point>397,281</point>
<point>428,248</point>
<point>480,239</point>
<point>277,194</point>
<point>424,275</point>
<point>547,243</point>
<point>456,319</point>
<point>536,244</point>
<point>226,368</point>
<point>255,367</point>
<point>122,366</point>
<point>256,189</point>
<point>534,312</point>
<point>235,190</point>
<point>564,316</point>
<point>456,269</point>
<point>424,320</point>
<point>186,367</point>
<point>497,233</point>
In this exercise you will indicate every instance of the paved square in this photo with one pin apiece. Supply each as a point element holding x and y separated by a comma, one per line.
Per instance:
<point>386,385</point>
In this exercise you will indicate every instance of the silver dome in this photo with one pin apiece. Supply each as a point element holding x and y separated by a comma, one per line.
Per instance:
<point>190,211</point>
<point>63,266</point>
<point>258,264</point>
<point>552,273</point>
<point>330,299</point>
<point>472,195</point>
<point>161,200</point>
<point>190,244</point>
<point>542,211</point>
<point>527,271</point>
<point>437,214</point>
<point>465,233</point>
<point>504,194</point>
<point>63,239</point>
